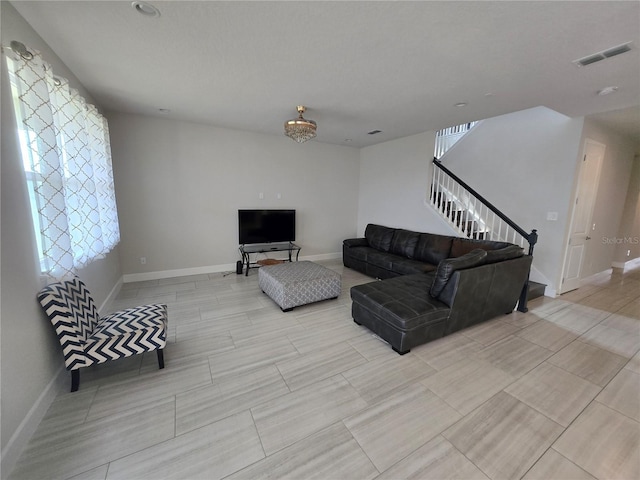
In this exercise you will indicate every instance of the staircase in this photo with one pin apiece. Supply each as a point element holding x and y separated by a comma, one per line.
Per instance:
<point>448,137</point>
<point>475,217</point>
<point>535,290</point>
<point>470,213</point>
<point>460,215</point>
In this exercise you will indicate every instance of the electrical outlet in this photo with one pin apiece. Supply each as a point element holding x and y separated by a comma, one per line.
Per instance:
<point>552,216</point>
<point>261,195</point>
<point>143,260</point>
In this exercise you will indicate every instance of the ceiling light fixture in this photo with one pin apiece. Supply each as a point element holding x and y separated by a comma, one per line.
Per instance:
<point>461,104</point>
<point>300,129</point>
<point>145,9</point>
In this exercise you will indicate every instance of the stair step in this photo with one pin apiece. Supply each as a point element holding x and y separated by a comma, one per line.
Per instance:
<point>448,206</point>
<point>535,290</point>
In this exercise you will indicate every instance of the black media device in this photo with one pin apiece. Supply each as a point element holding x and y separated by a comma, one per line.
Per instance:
<point>239,267</point>
<point>266,226</point>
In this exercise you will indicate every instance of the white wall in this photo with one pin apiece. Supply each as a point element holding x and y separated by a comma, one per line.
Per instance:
<point>30,352</point>
<point>525,163</point>
<point>179,186</point>
<point>394,183</point>
<point>629,234</point>
<point>610,200</point>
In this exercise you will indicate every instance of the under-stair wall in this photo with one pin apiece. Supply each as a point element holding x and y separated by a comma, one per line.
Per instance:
<point>525,163</point>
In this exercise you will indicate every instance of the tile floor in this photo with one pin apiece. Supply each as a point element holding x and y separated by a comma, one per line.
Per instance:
<point>251,392</point>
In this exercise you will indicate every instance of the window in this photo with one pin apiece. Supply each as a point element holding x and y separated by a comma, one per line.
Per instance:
<point>67,163</point>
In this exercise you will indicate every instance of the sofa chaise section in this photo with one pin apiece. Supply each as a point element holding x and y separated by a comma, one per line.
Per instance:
<point>398,311</point>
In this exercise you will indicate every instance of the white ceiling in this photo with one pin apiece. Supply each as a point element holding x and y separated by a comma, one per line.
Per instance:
<point>399,67</point>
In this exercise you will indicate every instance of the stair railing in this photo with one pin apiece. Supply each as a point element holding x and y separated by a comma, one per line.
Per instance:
<point>475,217</point>
<point>448,137</point>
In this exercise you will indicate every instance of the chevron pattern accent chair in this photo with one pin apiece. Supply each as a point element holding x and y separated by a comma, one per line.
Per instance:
<point>88,339</point>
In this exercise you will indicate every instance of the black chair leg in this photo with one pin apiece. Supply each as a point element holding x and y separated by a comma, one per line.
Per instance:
<point>160,358</point>
<point>75,380</point>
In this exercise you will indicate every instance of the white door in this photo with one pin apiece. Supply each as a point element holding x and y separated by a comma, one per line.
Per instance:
<point>582,214</point>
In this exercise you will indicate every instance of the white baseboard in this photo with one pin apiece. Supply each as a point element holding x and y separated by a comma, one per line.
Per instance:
<point>550,292</point>
<point>322,256</point>
<point>228,267</point>
<point>18,441</point>
<point>180,272</point>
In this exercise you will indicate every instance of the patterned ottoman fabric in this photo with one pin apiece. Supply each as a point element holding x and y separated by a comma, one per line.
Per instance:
<point>298,283</point>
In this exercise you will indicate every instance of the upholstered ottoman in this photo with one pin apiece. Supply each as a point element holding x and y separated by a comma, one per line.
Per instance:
<point>298,283</point>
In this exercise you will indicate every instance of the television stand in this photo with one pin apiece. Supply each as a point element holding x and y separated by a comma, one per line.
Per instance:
<point>247,250</point>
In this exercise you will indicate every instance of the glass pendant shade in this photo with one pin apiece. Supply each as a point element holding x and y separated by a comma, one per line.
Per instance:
<point>300,129</point>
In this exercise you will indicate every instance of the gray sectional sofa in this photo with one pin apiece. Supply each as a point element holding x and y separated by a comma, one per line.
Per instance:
<point>431,285</point>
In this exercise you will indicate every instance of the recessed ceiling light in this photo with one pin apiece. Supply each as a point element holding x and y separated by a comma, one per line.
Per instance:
<point>145,8</point>
<point>461,104</point>
<point>164,110</point>
<point>607,91</point>
<point>348,140</point>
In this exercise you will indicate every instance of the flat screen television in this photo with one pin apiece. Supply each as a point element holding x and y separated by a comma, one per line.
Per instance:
<point>266,226</point>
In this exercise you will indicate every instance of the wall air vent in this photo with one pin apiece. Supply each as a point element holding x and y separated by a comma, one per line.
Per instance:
<point>596,57</point>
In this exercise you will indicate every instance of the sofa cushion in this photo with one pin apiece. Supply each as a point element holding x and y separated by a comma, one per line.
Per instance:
<point>404,242</point>
<point>379,237</point>
<point>461,246</point>
<point>506,253</point>
<point>432,248</point>
<point>447,267</point>
<point>380,259</point>
<point>407,266</point>
<point>361,253</point>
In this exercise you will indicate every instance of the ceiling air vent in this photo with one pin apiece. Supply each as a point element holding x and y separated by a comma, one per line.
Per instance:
<point>374,132</point>
<point>612,52</point>
<point>596,57</point>
<point>583,62</point>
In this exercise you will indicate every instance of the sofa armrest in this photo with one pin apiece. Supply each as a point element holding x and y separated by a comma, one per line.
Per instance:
<point>482,292</point>
<point>447,267</point>
<point>355,242</point>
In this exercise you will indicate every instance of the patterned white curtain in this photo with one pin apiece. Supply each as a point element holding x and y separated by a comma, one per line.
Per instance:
<point>67,161</point>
